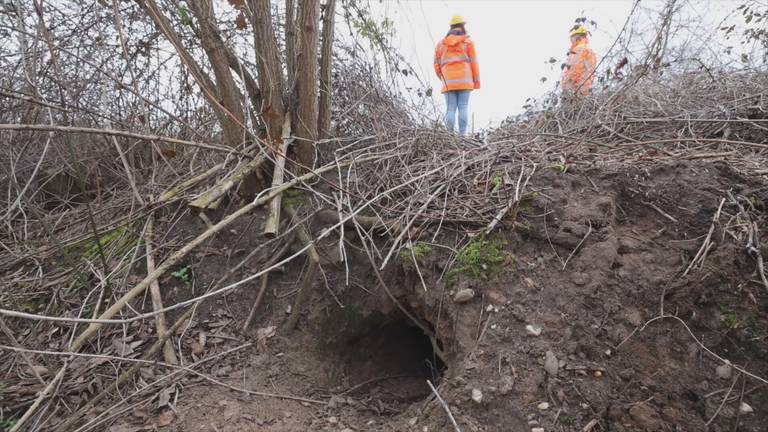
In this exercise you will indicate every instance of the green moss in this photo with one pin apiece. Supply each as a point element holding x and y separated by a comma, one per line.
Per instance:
<point>6,423</point>
<point>294,198</point>
<point>558,167</point>
<point>526,208</point>
<point>498,179</point>
<point>417,251</point>
<point>184,274</point>
<point>567,420</point>
<point>757,203</point>
<point>481,259</point>
<point>729,319</point>
<point>118,241</point>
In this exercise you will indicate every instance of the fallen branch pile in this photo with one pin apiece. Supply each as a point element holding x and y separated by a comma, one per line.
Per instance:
<point>77,259</point>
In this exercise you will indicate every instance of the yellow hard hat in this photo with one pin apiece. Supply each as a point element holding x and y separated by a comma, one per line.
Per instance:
<point>579,30</point>
<point>457,19</point>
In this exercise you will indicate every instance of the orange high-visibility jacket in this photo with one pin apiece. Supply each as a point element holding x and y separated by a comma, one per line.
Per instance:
<point>579,73</point>
<point>456,63</point>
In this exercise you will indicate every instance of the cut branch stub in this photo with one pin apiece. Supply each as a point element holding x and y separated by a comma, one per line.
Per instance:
<point>210,199</point>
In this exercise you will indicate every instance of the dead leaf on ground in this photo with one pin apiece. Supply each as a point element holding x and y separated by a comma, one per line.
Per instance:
<point>198,347</point>
<point>122,349</point>
<point>164,398</point>
<point>265,333</point>
<point>41,370</point>
<point>165,418</point>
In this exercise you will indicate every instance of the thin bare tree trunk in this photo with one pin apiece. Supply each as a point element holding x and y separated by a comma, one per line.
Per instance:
<point>207,86</point>
<point>306,82</point>
<point>290,40</point>
<point>268,66</point>
<point>272,224</point>
<point>326,60</point>
<point>216,50</point>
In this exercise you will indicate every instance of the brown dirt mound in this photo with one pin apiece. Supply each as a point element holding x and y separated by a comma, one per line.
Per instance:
<point>596,256</point>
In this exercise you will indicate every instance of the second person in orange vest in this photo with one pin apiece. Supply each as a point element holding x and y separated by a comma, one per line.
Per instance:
<point>579,73</point>
<point>457,67</point>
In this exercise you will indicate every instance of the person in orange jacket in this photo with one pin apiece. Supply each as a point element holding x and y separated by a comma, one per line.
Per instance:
<point>579,73</point>
<point>457,67</point>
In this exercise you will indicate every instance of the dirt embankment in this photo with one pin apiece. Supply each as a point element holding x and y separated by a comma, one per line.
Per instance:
<point>596,311</point>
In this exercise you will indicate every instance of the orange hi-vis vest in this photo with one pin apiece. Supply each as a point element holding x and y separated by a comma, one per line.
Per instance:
<point>579,73</point>
<point>456,63</point>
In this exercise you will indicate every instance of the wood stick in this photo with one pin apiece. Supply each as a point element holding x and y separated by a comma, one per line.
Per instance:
<point>40,398</point>
<point>16,344</point>
<point>177,256</point>
<point>660,211</point>
<point>187,184</point>
<point>112,132</point>
<point>127,375</point>
<point>407,227</point>
<point>445,406</point>
<point>264,282</point>
<point>309,276</point>
<point>696,140</point>
<point>210,199</point>
<point>367,222</point>
<point>272,225</point>
<point>705,246</point>
<point>128,173</point>
<point>578,246</point>
<point>513,203</point>
<point>169,354</point>
<point>154,288</point>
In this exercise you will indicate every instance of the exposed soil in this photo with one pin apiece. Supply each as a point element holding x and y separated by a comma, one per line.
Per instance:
<point>367,363</point>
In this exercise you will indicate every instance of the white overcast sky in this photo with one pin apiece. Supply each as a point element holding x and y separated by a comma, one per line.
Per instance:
<point>514,40</point>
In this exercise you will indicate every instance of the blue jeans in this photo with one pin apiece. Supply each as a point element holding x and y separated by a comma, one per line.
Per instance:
<point>457,99</point>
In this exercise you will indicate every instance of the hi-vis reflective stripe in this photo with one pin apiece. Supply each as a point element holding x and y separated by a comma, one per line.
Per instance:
<point>455,59</point>
<point>459,81</point>
<point>467,77</point>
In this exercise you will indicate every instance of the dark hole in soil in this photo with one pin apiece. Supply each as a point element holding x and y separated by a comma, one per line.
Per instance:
<point>392,358</point>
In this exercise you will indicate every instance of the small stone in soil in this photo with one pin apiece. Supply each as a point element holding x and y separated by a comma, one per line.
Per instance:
<point>333,420</point>
<point>463,296</point>
<point>724,371</point>
<point>543,406</point>
<point>537,429</point>
<point>626,374</point>
<point>477,395</point>
<point>335,402</point>
<point>533,330</point>
<point>550,363</point>
<point>744,408</point>
<point>508,384</point>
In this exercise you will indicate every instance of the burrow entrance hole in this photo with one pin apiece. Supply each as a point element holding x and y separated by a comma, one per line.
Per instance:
<point>389,357</point>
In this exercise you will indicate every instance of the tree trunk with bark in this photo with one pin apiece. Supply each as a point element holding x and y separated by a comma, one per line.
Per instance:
<point>290,40</point>
<point>306,82</point>
<point>270,74</point>
<point>326,61</point>
<point>227,91</point>
<point>204,81</point>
